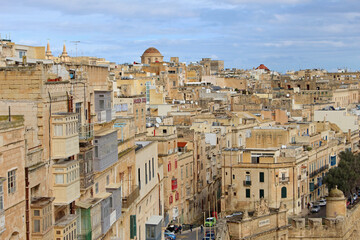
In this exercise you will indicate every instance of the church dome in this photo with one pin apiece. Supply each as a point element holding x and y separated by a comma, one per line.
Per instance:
<point>152,51</point>
<point>151,55</point>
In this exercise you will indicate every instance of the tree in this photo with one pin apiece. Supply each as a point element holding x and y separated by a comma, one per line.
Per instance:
<point>347,175</point>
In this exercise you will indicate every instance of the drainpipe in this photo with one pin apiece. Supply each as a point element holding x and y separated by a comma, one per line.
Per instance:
<point>27,215</point>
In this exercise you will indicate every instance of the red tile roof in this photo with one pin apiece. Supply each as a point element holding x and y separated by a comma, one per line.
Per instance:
<point>182,144</point>
<point>262,66</point>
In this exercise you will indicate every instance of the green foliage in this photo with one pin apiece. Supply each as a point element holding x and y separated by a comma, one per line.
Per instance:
<point>347,175</point>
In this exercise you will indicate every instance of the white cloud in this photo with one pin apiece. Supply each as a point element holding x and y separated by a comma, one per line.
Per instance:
<point>267,1</point>
<point>305,43</point>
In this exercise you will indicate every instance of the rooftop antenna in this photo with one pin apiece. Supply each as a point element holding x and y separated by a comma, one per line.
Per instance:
<point>76,44</point>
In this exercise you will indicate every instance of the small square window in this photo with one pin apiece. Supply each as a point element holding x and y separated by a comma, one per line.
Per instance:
<point>37,213</point>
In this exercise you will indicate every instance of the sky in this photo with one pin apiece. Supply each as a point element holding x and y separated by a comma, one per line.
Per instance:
<point>282,34</point>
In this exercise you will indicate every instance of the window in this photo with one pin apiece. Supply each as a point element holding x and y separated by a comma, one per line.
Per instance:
<point>145,173</point>
<point>175,163</point>
<point>96,151</point>
<point>22,53</point>
<point>247,193</point>
<point>283,192</point>
<point>164,131</point>
<point>96,187</point>
<point>153,172</point>
<point>233,176</point>
<point>36,226</point>
<point>149,171</point>
<point>59,178</point>
<point>107,180</point>
<point>255,159</point>
<point>261,176</point>
<point>139,178</point>
<point>58,130</point>
<point>12,181</point>
<point>37,213</point>
<point>101,104</point>
<point>169,166</point>
<point>247,178</point>
<point>261,193</point>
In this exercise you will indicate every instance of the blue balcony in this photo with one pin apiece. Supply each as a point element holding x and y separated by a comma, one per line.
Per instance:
<point>106,151</point>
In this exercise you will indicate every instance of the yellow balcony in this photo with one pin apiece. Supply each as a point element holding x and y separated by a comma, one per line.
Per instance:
<point>66,179</point>
<point>41,215</point>
<point>65,228</point>
<point>65,136</point>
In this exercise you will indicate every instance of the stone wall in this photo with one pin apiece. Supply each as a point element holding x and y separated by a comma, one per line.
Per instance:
<point>328,228</point>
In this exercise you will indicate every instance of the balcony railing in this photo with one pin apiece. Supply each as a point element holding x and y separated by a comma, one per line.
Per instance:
<point>128,200</point>
<point>284,179</point>
<point>322,169</point>
<point>247,183</point>
<point>86,131</point>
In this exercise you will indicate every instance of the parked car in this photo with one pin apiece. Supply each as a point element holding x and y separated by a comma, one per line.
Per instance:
<point>322,203</point>
<point>170,235</point>
<point>315,209</point>
<point>355,196</point>
<point>210,222</point>
<point>174,228</point>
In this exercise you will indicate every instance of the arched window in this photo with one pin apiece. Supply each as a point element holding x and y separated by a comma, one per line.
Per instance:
<point>283,192</point>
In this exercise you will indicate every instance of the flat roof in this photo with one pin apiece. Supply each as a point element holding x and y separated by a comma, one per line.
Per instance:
<point>154,220</point>
<point>66,220</point>
<point>90,202</point>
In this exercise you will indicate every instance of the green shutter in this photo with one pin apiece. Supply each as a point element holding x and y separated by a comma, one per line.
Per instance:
<point>311,186</point>
<point>261,193</point>
<point>261,177</point>
<point>247,193</point>
<point>283,192</point>
<point>132,226</point>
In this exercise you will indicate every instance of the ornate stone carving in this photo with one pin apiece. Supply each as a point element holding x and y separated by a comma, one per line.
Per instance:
<point>261,208</point>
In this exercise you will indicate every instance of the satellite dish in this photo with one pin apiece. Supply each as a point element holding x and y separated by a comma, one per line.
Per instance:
<point>157,125</point>
<point>158,120</point>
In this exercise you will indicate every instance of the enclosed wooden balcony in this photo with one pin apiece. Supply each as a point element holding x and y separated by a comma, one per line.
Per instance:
<point>65,136</point>
<point>65,228</point>
<point>66,179</point>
